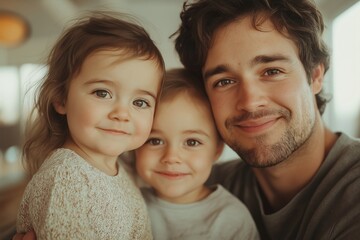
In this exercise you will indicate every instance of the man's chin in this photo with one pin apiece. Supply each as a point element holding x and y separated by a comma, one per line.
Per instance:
<point>257,157</point>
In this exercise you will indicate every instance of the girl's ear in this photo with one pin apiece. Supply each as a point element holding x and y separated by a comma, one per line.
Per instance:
<point>220,149</point>
<point>59,107</point>
<point>317,78</point>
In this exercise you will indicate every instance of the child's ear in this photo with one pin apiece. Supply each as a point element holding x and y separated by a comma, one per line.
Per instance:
<point>220,149</point>
<point>59,107</point>
<point>317,78</point>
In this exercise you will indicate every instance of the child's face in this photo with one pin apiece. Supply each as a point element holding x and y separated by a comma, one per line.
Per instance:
<point>110,104</point>
<point>179,154</point>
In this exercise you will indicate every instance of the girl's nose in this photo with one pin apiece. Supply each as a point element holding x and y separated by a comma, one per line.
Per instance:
<point>120,112</point>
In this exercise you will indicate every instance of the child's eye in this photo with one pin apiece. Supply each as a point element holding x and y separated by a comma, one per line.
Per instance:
<point>192,142</point>
<point>102,94</point>
<point>155,141</point>
<point>141,103</point>
<point>272,71</point>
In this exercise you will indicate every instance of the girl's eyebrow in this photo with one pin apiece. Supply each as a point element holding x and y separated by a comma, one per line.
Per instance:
<point>145,92</point>
<point>96,80</point>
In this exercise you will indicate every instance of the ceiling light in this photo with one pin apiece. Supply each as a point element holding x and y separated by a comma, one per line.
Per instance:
<point>14,29</point>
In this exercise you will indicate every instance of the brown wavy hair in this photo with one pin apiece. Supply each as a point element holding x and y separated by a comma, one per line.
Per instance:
<point>47,130</point>
<point>298,20</point>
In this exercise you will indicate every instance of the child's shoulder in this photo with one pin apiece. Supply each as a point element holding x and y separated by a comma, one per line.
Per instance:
<point>62,164</point>
<point>233,215</point>
<point>228,201</point>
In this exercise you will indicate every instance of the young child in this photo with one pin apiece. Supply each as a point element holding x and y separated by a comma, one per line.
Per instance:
<point>176,161</point>
<point>97,101</point>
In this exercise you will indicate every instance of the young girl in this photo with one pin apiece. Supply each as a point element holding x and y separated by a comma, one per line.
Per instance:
<point>176,161</point>
<point>97,101</point>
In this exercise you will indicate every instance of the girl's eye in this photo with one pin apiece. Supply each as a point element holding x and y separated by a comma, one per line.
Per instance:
<point>192,142</point>
<point>102,94</point>
<point>273,71</point>
<point>141,103</point>
<point>155,141</point>
<point>223,82</point>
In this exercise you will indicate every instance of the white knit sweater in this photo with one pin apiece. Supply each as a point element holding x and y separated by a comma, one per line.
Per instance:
<point>69,199</point>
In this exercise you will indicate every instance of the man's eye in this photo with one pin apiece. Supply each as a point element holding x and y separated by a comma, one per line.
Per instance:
<point>270,72</point>
<point>141,103</point>
<point>223,82</point>
<point>155,141</point>
<point>192,142</point>
<point>102,94</point>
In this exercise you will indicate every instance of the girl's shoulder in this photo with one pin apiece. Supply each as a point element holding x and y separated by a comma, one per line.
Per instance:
<point>63,158</point>
<point>62,164</point>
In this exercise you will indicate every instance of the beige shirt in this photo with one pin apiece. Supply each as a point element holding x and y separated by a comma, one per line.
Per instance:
<point>69,199</point>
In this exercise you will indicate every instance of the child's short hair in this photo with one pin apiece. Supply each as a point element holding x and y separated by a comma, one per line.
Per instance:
<point>180,80</point>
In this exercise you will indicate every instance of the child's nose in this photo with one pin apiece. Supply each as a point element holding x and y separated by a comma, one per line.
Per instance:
<point>120,112</point>
<point>171,156</point>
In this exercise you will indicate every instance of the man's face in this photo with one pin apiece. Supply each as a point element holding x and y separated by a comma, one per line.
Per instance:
<point>263,105</point>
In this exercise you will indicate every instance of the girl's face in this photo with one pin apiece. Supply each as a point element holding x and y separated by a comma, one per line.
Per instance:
<point>179,154</point>
<point>110,105</point>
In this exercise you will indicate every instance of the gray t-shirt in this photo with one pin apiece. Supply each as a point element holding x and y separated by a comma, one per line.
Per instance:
<point>219,216</point>
<point>327,208</point>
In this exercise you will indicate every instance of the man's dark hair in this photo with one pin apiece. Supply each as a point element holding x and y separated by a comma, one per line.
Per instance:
<point>299,20</point>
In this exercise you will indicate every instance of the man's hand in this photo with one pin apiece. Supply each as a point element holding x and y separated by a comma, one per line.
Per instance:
<point>28,236</point>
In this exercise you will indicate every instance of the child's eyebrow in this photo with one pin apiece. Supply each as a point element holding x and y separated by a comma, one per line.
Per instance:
<point>94,81</point>
<point>145,92</point>
<point>198,131</point>
<point>108,82</point>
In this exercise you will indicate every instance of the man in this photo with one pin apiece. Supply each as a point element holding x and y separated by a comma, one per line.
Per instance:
<point>263,64</point>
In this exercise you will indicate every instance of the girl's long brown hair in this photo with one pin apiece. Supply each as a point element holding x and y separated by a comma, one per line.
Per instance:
<point>47,130</point>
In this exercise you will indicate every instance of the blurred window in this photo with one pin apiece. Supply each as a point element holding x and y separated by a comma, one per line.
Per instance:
<point>346,62</point>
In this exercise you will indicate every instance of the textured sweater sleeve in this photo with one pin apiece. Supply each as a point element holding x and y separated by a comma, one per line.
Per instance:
<point>62,211</point>
<point>70,199</point>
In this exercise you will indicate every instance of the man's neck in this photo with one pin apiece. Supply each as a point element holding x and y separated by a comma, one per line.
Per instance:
<point>280,183</point>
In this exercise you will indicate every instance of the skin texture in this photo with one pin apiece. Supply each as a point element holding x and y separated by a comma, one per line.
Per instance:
<point>179,154</point>
<point>264,106</point>
<point>110,107</point>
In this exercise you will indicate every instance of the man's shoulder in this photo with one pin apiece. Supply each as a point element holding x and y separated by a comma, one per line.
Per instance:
<point>229,164</point>
<point>345,154</point>
<point>231,168</point>
<point>230,172</point>
<point>347,145</point>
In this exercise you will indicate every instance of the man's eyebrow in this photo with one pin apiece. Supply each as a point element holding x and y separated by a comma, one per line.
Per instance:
<point>257,60</point>
<point>269,58</point>
<point>213,71</point>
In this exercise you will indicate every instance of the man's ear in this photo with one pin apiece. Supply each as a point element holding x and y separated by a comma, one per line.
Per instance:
<point>317,78</point>
<point>59,107</point>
